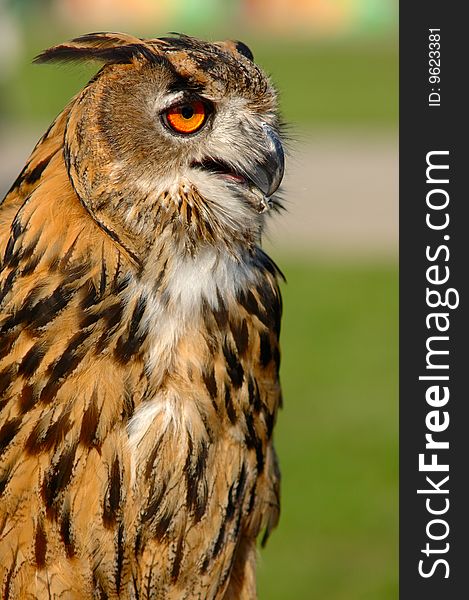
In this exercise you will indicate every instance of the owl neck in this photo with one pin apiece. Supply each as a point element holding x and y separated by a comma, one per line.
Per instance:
<point>177,222</point>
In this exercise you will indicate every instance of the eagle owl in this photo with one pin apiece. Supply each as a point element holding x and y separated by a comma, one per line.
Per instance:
<point>139,322</point>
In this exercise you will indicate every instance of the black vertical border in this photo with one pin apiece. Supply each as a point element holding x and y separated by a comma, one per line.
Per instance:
<point>423,129</point>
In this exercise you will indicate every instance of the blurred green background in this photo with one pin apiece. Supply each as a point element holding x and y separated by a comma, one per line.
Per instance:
<point>335,65</point>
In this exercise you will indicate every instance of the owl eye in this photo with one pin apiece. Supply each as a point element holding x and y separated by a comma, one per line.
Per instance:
<point>186,118</point>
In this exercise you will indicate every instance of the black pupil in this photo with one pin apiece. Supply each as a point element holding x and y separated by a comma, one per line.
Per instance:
<point>187,112</point>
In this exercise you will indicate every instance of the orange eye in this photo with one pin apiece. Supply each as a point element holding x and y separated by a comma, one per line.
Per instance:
<point>187,118</point>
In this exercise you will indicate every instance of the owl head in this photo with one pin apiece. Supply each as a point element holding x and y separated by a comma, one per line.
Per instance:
<point>173,130</point>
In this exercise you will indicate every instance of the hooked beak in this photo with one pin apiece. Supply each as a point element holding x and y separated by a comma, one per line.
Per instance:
<point>263,176</point>
<point>268,173</point>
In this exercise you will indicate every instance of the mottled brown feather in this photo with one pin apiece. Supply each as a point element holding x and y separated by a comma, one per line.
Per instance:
<point>136,456</point>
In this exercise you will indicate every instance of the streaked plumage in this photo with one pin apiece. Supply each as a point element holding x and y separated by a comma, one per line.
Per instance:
<point>139,327</point>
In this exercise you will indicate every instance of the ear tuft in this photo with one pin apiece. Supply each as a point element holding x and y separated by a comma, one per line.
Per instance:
<point>101,46</point>
<point>244,50</point>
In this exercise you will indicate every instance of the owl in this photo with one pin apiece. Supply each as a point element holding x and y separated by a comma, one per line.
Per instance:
<point>139,317</point>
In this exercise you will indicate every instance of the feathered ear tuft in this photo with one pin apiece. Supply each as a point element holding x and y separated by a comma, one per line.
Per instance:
<point>102,46</point>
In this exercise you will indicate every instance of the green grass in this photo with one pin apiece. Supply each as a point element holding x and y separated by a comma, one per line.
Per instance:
<point>335,84</point>
<point>337,438</point>
<point>328,84</point>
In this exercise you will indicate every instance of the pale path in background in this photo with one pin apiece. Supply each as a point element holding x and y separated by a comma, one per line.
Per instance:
<point>341,196</point>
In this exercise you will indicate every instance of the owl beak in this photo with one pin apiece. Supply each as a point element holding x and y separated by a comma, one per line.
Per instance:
<point>268,173</point>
